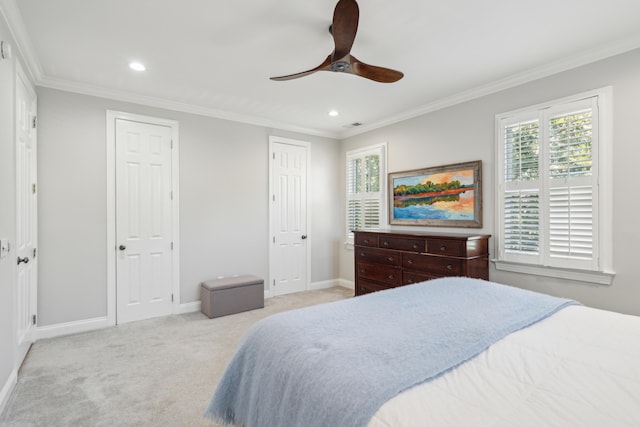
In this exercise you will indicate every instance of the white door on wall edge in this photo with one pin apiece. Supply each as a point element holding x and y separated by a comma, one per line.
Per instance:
<point>26,215</point>
<point>143,221</point>
<point>288,213</point>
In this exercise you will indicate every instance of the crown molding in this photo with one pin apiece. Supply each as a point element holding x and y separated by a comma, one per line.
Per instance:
<point>149,101</point>
<point>11,13</point>
<point>568,63</point>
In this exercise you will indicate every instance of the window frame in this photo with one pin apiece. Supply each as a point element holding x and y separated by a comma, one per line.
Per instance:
<point>362,152</point>
<point>600,270</point>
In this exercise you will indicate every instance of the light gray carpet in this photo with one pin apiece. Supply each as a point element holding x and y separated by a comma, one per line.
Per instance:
<point>159,372</point>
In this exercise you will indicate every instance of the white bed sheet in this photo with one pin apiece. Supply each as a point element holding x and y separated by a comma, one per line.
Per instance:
<point>579,367</point>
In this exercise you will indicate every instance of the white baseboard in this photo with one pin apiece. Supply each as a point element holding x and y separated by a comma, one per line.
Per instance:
<point>331,283</point>
<point>349,284</point>
<point>68,328</point>
<point>326,284</point>
<point>190,307</point>
<point>8,387</point>
<point>319,285</point>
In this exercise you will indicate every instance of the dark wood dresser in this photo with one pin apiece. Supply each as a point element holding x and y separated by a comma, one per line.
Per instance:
<point>389,259</point>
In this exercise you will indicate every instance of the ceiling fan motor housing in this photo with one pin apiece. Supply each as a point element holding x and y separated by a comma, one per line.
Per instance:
<point>340,66</point>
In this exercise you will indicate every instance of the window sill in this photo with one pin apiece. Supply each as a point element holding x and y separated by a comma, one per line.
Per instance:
<point>598,277</point>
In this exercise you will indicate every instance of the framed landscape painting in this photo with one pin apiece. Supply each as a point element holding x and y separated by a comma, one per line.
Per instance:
<point>444,196</point>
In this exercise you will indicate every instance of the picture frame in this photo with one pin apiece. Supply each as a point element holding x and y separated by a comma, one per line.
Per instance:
<point>441,196</point>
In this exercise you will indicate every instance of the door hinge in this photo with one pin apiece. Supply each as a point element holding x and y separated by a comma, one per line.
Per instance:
<point>171,297</point>
<point>34,252</point>
<point>172,144</point>
<point>171,245</point>
<point>274,239</point>
<point>33,188</point>
<point>34,122</point>
<point>274,156</point>
<point>274,197</point>
<point>34,319</point>
<point>171,194</point>
<point>274,282</point>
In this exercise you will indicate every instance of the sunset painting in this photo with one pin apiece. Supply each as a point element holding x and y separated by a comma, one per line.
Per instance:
<point>447,195</point>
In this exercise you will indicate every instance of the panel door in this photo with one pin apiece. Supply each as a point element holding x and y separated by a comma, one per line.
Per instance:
<point>143,221</point>
<point>26,215</point>
<point>289,216</point>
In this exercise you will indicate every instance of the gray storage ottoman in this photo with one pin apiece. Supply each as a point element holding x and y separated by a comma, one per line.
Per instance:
<point>230,295</point>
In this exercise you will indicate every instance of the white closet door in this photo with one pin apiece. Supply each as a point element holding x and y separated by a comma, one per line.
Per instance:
<point>289,218</point>
<point>26,215</point>
<point>143,221</point>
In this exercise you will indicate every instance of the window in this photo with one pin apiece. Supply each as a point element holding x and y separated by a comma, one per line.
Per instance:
<point>552,172</point>
<point>366,195</point>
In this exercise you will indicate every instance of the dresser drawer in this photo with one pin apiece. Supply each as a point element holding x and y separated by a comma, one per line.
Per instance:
<point>402,244</point>
<point>433,264</point>
<point>378,256</point>
<point>388,275</point>
<point>411,277</point>
<point>366,239</point>
<point>365,287</point>
<point>446,247</point>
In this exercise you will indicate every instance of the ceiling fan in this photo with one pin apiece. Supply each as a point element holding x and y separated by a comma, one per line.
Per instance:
<point>343,29</point>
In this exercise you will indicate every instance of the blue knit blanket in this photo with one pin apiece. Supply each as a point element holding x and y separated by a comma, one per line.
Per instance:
<point>335,364</point>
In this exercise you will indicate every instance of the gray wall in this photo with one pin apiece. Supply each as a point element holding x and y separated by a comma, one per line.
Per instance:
<point>222,231</point>
<point>465,132</point>
<point>7,214</point>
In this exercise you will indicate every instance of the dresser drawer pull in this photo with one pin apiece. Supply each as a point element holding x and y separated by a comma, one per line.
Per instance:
<point>363,254</point>
<point>363,271</point>
<point>415,246</point>
<point>410,281</point>
<point>390,259</point>
<point>366,240</point>
<point>449,267</point>
<point>390,277</point>
<point>409,261</point>
<point>385,243</point>
<point>443,248</point>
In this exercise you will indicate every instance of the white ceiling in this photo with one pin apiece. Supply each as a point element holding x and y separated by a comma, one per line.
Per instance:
<point>215,57</point>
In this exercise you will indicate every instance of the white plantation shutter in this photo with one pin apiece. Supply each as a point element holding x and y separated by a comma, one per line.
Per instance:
<point>365,189</point>
<point>521,148</point>
<point>572,184</point>
<point>522,222</point>
<point>372,213</point>
<point>521,188</point>
<point>548,186</point>
<point>571,223</point>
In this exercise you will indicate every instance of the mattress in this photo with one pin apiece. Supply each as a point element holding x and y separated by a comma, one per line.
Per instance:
<point>579,367</point>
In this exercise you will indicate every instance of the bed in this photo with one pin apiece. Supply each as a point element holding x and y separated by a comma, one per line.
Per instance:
<point>476,353</point>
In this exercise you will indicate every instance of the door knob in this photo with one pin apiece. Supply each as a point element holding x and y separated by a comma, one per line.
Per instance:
<point>122,247</point>
<point>303,237</point>
<point>21,260</point>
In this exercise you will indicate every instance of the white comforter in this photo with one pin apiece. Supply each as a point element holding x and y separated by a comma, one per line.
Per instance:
<point>579,367</point>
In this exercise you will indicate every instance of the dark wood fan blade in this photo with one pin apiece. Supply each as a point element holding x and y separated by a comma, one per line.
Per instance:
<point>344,27</point>
<point>371,72</point>
<point>326,66</point>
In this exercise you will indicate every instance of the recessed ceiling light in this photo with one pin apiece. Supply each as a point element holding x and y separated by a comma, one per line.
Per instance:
<point>333,113</point>
<point>137,66</point>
